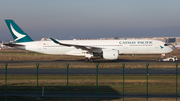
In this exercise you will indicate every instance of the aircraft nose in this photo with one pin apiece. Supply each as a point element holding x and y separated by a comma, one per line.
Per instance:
<point>170,49</point>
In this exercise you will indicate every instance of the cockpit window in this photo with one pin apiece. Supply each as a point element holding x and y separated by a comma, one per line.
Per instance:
<point>165,44</point>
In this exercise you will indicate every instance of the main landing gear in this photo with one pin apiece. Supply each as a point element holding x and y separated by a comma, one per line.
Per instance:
<point>89,60</point>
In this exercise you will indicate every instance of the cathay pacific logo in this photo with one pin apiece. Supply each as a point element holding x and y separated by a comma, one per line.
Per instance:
<point>18,35</point>
<point>161,47</point>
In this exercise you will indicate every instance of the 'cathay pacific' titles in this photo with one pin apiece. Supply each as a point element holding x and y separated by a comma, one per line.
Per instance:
<point>136,42</point>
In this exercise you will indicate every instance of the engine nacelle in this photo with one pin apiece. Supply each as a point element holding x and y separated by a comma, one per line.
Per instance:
<point>110,54</point>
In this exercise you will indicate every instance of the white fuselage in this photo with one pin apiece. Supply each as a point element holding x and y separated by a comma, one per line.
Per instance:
<point>108,49</point>
<point>123,46</point>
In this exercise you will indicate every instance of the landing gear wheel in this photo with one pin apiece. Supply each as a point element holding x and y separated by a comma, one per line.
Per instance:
<point>91,60</point>
<point>87,60</point>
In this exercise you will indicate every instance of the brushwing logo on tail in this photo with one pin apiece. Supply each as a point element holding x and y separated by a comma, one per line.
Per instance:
<point>18,35</point>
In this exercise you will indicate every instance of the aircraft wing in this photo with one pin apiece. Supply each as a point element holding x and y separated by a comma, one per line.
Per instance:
<point>88,48</point>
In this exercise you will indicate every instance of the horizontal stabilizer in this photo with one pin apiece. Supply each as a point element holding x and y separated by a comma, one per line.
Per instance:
<point>12,44</point>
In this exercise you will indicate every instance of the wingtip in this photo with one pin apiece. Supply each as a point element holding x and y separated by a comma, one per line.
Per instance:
<point>54,40</point>
<point>50,38</point>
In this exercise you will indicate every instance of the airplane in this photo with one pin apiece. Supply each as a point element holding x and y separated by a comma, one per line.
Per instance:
<point>107,49</point>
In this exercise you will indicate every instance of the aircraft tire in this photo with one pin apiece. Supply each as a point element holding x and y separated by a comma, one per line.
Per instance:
<point>86,60</point>
<point>91,60</point>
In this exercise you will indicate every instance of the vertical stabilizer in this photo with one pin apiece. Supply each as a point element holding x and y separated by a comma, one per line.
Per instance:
<point>17,32</point>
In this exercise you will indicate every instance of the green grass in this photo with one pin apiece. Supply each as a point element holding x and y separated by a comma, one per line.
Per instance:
<point>87,83</point>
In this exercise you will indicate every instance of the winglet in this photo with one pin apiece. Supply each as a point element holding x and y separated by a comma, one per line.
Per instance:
<point>54,40</point>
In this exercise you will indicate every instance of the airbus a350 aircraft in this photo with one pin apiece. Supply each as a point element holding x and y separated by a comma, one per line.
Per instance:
<point>108,49</point>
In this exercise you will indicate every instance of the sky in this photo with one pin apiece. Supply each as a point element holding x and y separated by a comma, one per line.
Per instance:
<point>69,19</point>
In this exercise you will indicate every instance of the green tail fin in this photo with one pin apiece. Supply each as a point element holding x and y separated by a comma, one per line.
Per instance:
<point>17,33</point>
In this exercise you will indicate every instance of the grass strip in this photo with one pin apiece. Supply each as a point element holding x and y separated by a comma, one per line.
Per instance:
<point>87,83</point>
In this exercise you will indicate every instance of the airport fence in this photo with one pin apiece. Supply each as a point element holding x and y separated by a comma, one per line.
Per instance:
<point>97,86</point>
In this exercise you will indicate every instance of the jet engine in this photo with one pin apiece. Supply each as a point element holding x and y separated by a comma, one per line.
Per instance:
<point>110,54</point>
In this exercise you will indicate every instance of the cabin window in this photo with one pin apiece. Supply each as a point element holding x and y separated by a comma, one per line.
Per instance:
<point>165,44</point>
